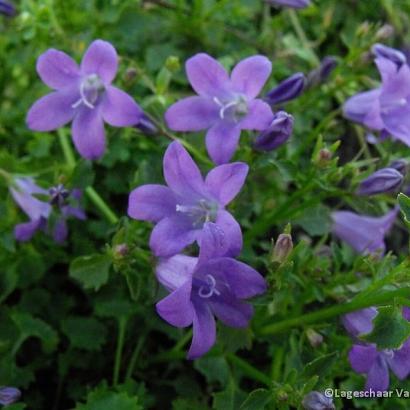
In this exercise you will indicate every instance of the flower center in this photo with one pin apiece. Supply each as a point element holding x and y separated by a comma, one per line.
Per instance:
<point>389,353</point>
<point>234,109</point>
<point>91,88</point>
<point>209,288</point>
<point>199,213</point>
<point>58,195</point>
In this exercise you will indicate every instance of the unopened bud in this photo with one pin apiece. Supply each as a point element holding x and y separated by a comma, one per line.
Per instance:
<point>173,64</point>
<point>400,165</point>
<point>384,32</point>
<point>287,90</point>
<point>317,401</point>
<point>395,56</point>
<point>121,250</point>
<point>9,395</point>
<point>383,180</point>
<point>283,248</point>
<point>322,73</point>
<point>315,338</point>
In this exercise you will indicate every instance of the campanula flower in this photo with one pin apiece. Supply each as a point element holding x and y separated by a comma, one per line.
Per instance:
<point>383,180</point>
<point>224,105</point>
<point>395,56</point>
<point>287,90</point>
<point>400,165</point>
<point>7,8</point>
<point>211,285</point>
<point>364,233</point>
<point>83,95</point>
<point>9,395</point>
<point>294,4</point>
<point>387,108</point>
<point>39,203</point>
<point>317,401</point>
<point>359,322</point>
<point>322,73</point>
<point>278,132</point>
<point>183,207</point>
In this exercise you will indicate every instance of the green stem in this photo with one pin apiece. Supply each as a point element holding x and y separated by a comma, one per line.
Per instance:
<point>66,147</point>
<point>337,310</point>
<point>134,357</point>
<point>248,369</point>
<point>122,323</point>
<point>101,205</point>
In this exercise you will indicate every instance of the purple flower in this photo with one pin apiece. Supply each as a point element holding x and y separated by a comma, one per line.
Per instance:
<point>383,180</point>
<point>224,105</point>
<point>37,203</point>
<point>287,90</point>
<point>9,395</point>
<point>363,233</point>
<point>400,165</point>
<point>317,401</point>
<point>183,207</point>
<point>276,134</point>
<point>208,286</point>
<point>83,95</point>
<point>295,4</point>
<point>359,322</point>
<point>387,108</point>
<point>7,8</point>
<point>395,56</point>
<point>322,73</point>
<point>146,126</point>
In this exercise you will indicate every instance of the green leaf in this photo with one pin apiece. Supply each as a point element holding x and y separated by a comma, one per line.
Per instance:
<point>215,369</point>
<point>390,329</point>
<point>91,271</point>
<point>229,399</point>
<point>83,175</point>
<point>315,221</point>
<point>257,400</point>
<point>107,400</point>
<point>320,366</point>
<point>404,202</point>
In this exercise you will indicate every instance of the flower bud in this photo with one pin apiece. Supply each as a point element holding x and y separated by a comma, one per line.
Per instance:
<point>9,395</point>
<point>317,401</point>
<point>400,165</point>
<point>287,90</point>
<point>315,338</point>
<point>130,74</point>
<point>7,8</point>
<point>383,180</point>
<point>121,250</point>
<point>283,248</point>
<point>322,73</point>
<point>276,134</point>
<point>323,157</point>
<point>146,126</point>
<point>384,32</point>
<point>396,56</point>
<point>295,4</point>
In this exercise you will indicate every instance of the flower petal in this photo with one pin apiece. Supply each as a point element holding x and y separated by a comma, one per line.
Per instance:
<point>181,173</point>
<point>151,203</point>
<point>222,140</point>
<point>192,114</point>
<point>259,116</point>
<point>100,58</point>
<point>53,110</point>
<point>32,207</point>
<point>397,123</point>
<point>400,362</point>
<point>204,330</point>
<point>25,231</point>
<point>378,376</point>
<point>232,232</point>
<point>57,69</point>
<point>88,133</point>
<point>119,109</point>
<point>359,322</point>
<point>213,242</point>
<point>171,235</point>
<point>207,76</point>
<point>177,308</point>
<point>250,75</point>
<point>225,181</point>
<point>362,357</point>
<point>60,230</point>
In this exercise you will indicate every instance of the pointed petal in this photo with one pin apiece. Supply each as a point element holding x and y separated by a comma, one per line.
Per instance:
<point>222,140</point>
<point>100,58</point>
<point>400,362</point>
<point>213,243</point>
<point>378,376</point>
<point>362,357</point>
<point>88,133</point>
<point>250,75</point>
<point>57,69</point>
<point>232,232</point>
<point>32,207</point>
<point>119,109</point>
<point>259,116</point>
<point>151,203</point>
<point>204,330</point>
<point>359,322</point>
<point>25,231</point>
<point>207,76</point>
<point>225,181</point>
<point>60,231</point>
<point>192,114</point>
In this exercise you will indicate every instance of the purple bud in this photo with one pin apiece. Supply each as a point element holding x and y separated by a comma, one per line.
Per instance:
<point>396,56</point>
<point>287,90</point>
<point>295,4</point>
<point>283,248</point>
<point>317,401</point>
<point>383,180</point>
<point>276,134</point>
<point>9,395</point>
<point>400,165</point>
<point>384,32</point>
<point>7,8</point>
<point>315,338</point>
<point>121,250</point>
<point>146,126</point>
<point>322,73</point>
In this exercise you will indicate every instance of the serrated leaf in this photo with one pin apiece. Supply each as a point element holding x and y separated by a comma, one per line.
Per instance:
<point>257,400</point>
<point>390,329</point>
<point>107,400</point>
<point>91,271</point>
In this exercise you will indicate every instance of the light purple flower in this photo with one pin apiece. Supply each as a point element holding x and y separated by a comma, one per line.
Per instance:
<point>295,4</point>
<point>182,208</point>
<point>359,322</point>
<point>317,401</point>
<point>208,286</point>
<point>224,105</point>
<point>387,108</point>
<point>287,90</point>
<point>395,56</point>
<point>83,95</point>
<point>363,233</point>
<point>9,395</point>
<point>383,180</point>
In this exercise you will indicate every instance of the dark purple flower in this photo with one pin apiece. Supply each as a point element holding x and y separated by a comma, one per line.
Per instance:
<point>146,126</point>
<point>83,95</point>
<point>383,180</point>
<point>395,56</point>
<point>183,207</point>
<point>387,108</point>
<point>294,4</point>
<point>317,401</point>
<point>400,165</point>
<point>7,8</point>
<point>287,90</point>
<point>363,233</point>
<point>224,105</point>
<point>208,286</point>
<point>276,134</point>
<point>9,395</point>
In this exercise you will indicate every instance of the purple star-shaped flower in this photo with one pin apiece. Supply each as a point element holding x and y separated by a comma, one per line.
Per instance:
<point>208,286</point>
<point>183,207</point>
<point>365,234</point>
<point>83,95</point>
<point>387,108</point>
<point>224,105</point>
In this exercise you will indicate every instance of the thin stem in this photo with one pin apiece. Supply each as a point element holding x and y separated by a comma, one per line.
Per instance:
<point>337,310</point>
<point>134,357</point>
<point>66,147</point>
<point>101,205</point>
<point>122,324</point>
<point>248,369</point>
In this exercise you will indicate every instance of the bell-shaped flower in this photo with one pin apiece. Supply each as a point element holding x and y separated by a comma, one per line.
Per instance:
<point>183,207</point>
<point>225,104</point>
<point>84,95</point>
<point>364,233</point>
<point>212,285</point>
<point>395,56</point>
<point>381,181</point>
